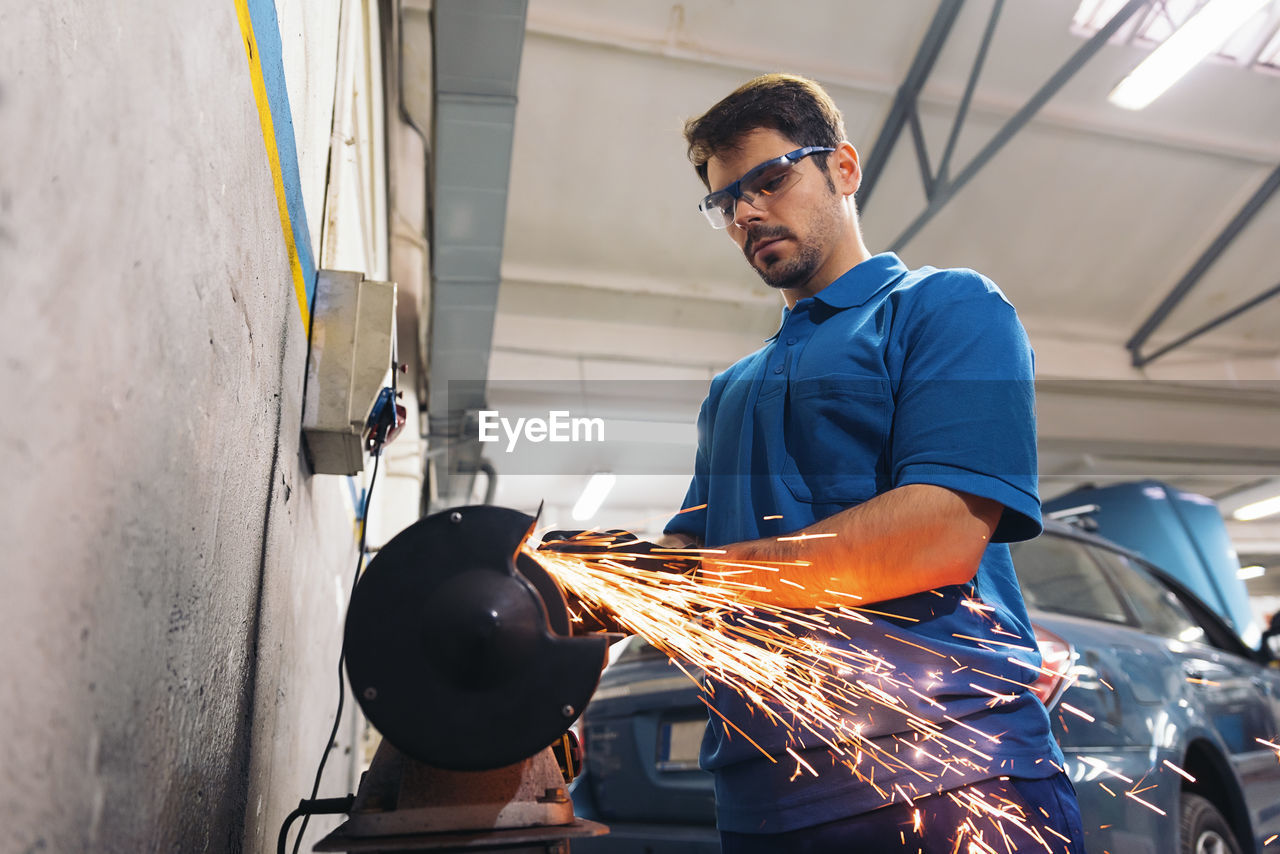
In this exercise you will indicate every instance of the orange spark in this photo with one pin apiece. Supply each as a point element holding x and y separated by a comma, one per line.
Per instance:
<point>1146,804</point>
<point>799,759</point>
<point>1078,713</point>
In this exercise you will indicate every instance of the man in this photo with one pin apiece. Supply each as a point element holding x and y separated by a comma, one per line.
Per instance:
<point>887,429</point>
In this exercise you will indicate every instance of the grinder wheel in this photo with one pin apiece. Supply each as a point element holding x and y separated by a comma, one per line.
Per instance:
<point>458,646</point>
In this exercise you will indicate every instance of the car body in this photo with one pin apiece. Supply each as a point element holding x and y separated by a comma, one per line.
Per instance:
<point>1181,532</point>
<point>1160,718</point>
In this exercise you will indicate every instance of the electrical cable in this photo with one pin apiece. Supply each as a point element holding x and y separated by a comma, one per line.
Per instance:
<point>283,838</point>
<point>342,655</point>
<point>323,806</point>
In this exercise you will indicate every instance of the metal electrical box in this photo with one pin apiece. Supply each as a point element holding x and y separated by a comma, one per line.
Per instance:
<point>352,329</point>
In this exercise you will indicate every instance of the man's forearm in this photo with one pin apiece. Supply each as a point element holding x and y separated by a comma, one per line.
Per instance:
<point>908,540</point>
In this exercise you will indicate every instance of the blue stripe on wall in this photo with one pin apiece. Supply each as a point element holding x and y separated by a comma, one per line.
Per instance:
<point>266,31</point>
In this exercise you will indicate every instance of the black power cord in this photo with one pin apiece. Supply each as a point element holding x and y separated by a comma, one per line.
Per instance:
<point>342,692</point>
<point>381,425</point>
<point>323,806</point>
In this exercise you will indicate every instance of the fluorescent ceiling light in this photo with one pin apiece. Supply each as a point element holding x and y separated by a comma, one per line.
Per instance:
<point>1258,509</point>
<point>1204,32</point>
<point>1247,572</point>
<point>593,495</point>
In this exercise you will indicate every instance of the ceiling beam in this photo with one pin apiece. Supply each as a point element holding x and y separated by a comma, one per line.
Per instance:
<point>944,192</point>
<point>962,112</point>
<point>1140,360</point>
<point>906,106</point>
<point>904,102</point>
<point>1196,272</point>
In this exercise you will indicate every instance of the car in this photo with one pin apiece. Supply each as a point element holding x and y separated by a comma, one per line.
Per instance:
<point>1168,722</point>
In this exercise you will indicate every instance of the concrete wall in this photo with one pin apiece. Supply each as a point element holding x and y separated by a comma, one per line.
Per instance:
<point>174,578</point>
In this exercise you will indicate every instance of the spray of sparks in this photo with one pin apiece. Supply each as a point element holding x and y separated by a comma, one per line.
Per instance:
<point>817,693</point>
<point>775,657</point>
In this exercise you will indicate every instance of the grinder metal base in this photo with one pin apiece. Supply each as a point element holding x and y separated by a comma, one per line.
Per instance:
<point>406,805</point>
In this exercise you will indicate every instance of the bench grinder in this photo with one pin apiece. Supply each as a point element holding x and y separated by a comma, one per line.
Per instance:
<point>459,651</point>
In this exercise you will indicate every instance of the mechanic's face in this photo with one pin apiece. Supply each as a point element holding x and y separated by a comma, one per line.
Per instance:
<point>789,241</point>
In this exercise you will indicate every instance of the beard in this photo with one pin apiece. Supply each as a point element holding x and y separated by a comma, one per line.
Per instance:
<point>793,272</point>
<point>807,255</point>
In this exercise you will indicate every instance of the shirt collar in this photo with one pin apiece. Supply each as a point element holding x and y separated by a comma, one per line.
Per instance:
<point>856,286</point>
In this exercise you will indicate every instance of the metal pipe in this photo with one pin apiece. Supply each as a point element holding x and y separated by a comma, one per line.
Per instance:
<point>491,479</point>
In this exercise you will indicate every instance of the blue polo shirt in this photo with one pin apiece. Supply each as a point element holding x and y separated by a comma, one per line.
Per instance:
<point>886,377</point>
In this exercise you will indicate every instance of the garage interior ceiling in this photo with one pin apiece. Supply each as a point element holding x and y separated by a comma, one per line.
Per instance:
<point>1088,216</point>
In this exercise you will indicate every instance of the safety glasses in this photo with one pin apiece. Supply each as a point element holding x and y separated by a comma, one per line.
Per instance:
<point>758,188</point>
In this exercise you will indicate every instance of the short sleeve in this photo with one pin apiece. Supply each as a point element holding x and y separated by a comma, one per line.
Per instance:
<point>964,408</point>
<point>692,518</point>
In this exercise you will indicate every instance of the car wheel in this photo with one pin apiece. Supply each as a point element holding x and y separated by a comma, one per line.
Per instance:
<point>1204,830</point>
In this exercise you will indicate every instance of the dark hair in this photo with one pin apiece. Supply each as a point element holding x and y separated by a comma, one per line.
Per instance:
<point>796,107</point>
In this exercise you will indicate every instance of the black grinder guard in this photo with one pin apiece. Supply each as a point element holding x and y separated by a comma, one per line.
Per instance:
<point>458,646</point>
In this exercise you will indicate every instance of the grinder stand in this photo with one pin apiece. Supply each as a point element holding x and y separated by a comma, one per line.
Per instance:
<point>407,805</point>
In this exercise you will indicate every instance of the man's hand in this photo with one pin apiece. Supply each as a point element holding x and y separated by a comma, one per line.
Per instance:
<point>622,547</point>
<point>679,541</point>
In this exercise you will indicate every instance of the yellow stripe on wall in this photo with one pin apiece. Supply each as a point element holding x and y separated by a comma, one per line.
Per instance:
<point>273,158</point>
